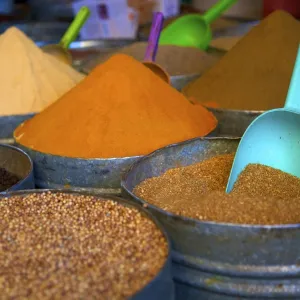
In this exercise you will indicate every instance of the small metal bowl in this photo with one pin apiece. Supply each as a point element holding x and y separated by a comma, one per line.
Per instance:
<point>17,162</point>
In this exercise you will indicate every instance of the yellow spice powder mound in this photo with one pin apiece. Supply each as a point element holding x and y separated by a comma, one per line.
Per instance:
<point>30,79</point>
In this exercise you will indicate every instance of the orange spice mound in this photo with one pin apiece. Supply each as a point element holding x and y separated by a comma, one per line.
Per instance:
<point>121,109</point>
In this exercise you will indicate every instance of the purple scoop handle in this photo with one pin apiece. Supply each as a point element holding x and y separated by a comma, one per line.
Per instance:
<point>156,27</point>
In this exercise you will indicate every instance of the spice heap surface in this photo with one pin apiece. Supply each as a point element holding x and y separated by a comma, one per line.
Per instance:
<point>7,179</point>
<point>261,195</point>
<point>175,60</point>
<point>121,109</point>
<point>225,43</point>
<point>255,74</point>
<point>63,246</point>
<point>30,80</point>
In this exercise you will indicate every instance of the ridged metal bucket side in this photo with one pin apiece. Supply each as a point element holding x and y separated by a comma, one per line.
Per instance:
<point>8,124</point>
<point>216,260</point>
<point>58,172</point>
<point>162,286</point>
<point>17,162</point>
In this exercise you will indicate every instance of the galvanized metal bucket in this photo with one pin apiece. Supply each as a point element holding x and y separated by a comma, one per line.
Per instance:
<point>218,261</point>
<point>8,124</point>
<point>162,285</point>
<point>99,175</point>
<point>17,162</point>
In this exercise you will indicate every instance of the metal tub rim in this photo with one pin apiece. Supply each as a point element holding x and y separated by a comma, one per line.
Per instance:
<point>90,44</point>
<point>184,75</point>
<point>100,174</point>
<point>240,111</point>
<point>121,201</point>
<point>28,174</point>
<point>189,220</point>
<point>76,158</point>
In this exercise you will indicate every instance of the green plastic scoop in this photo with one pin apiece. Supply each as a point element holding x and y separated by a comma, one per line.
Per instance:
<point>194,30</point>
<point>60,50</point>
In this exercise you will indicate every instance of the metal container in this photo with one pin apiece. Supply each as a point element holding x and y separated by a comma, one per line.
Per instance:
<point>98,175</point>
<point>180,81</point>
<point>17,162</point>
<point>162,285</point>
<point>8,124</point>
<point>220,261</point>
<point>84,51</point>
<point>98,45</point>
<point>233,123</point>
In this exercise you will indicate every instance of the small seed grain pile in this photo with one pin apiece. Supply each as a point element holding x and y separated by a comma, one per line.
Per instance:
<point>261,195</point>
<point>63,246</point>
<point>178,189</point>
<point>7,179</point>
<point>175,60</point>
<point>258,180</point>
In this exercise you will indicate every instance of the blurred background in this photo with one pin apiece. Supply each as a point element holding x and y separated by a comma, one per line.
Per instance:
<point>48,19</point>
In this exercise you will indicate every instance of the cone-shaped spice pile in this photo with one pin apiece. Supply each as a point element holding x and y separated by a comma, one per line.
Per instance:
<point>121,109</point>
<point>255,74</point>
<point>30,80</point>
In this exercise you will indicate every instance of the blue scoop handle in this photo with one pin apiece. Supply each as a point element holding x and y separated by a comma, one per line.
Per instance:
<point>292,101</point>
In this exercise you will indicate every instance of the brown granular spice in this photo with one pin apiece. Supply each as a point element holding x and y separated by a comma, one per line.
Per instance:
<point>225,43</point>
<point>64,246</point>
<point>258,180</point>
<point>179,189</point>
<point>262,195</point>
<point>175,60</point>
<point>243,209</point>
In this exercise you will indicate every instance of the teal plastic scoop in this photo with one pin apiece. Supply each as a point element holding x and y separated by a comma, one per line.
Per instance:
<point>273,138</point>
<point>193,30</point>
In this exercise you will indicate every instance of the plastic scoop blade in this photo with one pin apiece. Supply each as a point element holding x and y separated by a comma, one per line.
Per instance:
<point>193,30</point>
<point>151,51</point>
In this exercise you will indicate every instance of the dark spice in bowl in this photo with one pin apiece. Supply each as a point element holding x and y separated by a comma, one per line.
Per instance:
<point>7,179</point>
